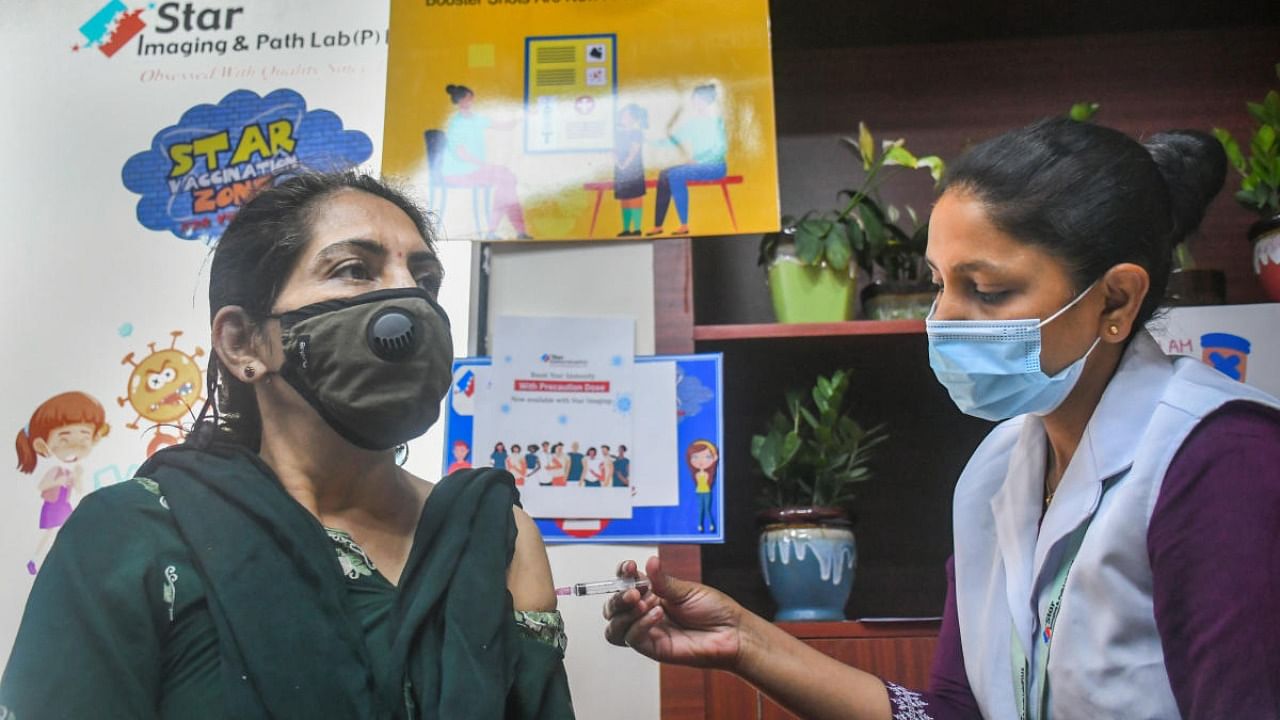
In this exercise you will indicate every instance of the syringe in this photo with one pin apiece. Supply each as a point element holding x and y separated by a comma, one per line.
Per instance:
<point>604,587</point>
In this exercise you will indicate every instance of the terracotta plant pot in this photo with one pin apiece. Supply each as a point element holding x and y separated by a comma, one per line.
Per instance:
<point>808,557</point>
<point>1265,235</point>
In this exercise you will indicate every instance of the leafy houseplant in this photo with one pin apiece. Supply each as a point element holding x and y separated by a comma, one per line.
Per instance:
<point>812,456</point>
<point>815,455</point>
<point>825,247</point>
<point>1260,186</point>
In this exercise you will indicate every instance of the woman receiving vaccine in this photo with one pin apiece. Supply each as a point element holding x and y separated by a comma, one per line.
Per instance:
<point>280,563</point>
<point>1116,547</point>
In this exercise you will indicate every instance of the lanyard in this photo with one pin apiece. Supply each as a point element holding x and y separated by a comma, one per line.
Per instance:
<point>1021,665</point>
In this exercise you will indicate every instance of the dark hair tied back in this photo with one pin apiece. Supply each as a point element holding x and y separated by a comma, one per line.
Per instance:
<point>457,92</point>
<point>1095,197</point>
<point>1194,168</point>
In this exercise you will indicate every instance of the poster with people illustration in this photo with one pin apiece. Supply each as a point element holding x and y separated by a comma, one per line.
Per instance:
<point>570,121</point>
<point>561,401</point>
<point>672,471</point>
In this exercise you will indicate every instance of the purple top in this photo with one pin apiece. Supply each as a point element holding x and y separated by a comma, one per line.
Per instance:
<point>1214,546</point>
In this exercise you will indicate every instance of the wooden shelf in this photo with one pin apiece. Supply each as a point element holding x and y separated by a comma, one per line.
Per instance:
<point>855,629</point>
<point>763,331</point>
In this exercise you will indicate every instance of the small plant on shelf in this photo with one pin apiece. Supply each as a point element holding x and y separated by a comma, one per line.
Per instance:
<point>1260,186</point>
<point>1260,171</point>
<point>823,248</point>
<point>813,457</point>
<point>815,454</point>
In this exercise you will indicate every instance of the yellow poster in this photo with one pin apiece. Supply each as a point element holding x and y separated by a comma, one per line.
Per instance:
<point>584,119</point>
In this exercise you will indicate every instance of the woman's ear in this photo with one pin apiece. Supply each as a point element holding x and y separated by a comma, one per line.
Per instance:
<point>1125,286</point>
<point>238,343</point>
<point>41,447</point>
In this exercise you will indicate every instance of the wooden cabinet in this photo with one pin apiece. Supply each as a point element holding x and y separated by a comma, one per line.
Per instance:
<point>899,652</point>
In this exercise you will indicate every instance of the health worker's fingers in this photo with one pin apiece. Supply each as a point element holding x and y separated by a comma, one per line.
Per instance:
<point>639,629</point>
<point>621,602</point>
<point>618,628</point>
<point>628,568</point>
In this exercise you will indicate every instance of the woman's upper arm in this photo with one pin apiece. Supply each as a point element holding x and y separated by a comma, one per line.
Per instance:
<point>529,577</point>
<point>1214,549</point>
<point>88,644</point>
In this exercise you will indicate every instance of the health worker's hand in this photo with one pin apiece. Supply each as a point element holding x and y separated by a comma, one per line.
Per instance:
<point>675,621</point>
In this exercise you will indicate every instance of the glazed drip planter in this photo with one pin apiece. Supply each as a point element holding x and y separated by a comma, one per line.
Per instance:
<point>1265,235</point>
<point>808,557</point>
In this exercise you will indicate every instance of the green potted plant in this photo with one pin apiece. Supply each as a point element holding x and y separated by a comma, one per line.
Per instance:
<point>1260,186</point>
<point>891,256</point>
<point>813,456</point>
<point>812,262</point>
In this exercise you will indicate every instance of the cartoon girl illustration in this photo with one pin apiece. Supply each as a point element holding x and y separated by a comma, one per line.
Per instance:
<point>64,429</point>
<point>499,456</point>
<point>595,470</point>
<point>533,464</point>
<point>628,167</point>
<point>704,459</point>
<point>516,464</point>
<point>558,465</point>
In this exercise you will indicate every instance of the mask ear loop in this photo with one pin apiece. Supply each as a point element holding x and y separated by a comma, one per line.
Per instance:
<point>1068,306</point>
<point>205,426</point>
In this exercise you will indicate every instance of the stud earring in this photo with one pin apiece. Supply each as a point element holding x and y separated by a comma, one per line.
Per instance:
<point>1113,329</point>
<point>249,372</point>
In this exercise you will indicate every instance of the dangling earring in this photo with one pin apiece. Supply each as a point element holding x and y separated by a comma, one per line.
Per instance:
<point>249,372</point>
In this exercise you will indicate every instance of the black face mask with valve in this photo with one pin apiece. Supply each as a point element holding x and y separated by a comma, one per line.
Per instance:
<point>374,366</point>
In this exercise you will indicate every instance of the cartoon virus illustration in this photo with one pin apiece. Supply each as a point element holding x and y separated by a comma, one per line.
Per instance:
<point>164,388</point>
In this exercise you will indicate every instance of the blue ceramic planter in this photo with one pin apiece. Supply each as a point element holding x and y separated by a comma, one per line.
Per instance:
<point>809,570</point>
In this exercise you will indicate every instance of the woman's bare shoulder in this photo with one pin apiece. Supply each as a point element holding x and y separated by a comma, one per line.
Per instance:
<point>529,577</point>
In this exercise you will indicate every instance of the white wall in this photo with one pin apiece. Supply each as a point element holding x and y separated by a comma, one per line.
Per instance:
<point>582,279</point>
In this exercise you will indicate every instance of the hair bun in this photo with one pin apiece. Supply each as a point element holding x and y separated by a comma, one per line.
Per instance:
<point>1194,167</point>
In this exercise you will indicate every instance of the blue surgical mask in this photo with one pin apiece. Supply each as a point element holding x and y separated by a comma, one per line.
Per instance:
<point>991,368</point>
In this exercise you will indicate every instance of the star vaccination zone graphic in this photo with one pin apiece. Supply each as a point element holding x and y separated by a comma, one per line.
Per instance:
<point>199,171</point>
<point>111,28</point>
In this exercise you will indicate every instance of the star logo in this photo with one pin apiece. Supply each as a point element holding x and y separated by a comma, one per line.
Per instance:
<point>111,28</point>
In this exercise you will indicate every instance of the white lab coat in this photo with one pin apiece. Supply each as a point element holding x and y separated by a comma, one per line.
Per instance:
<point>1106,659</point>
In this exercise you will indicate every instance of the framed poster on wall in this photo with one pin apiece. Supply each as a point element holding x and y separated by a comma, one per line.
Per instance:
<point>673,468</point>
<point>577,120</point>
